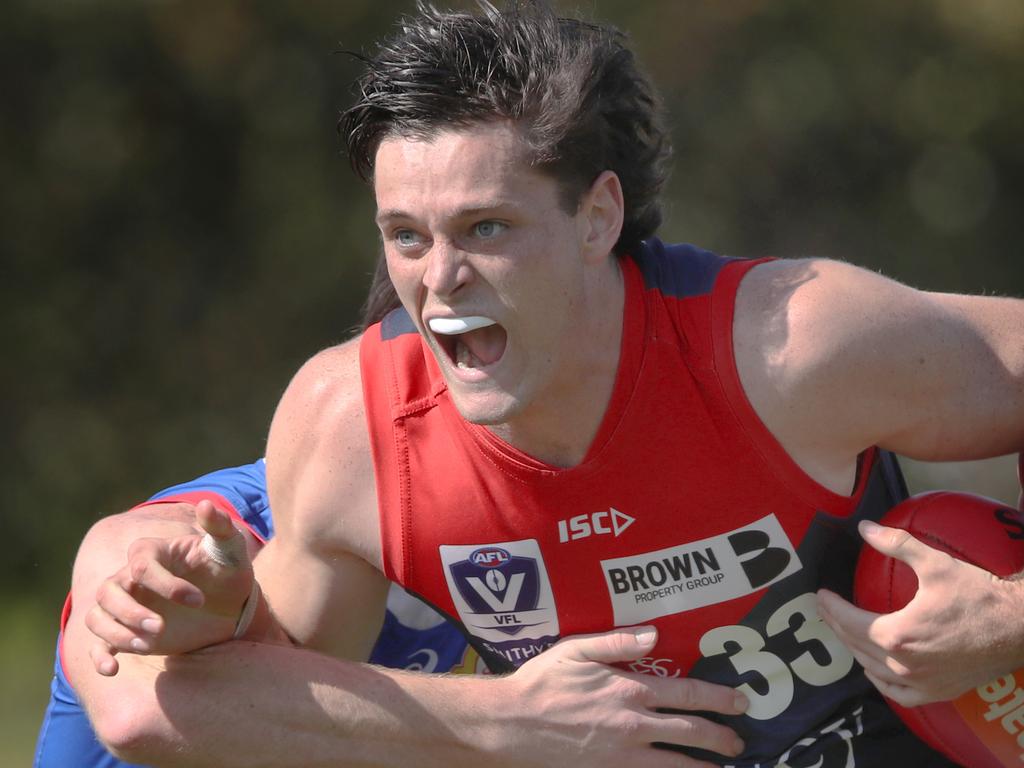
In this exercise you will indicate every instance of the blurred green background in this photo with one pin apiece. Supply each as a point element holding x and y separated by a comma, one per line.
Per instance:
<point>179,230</point>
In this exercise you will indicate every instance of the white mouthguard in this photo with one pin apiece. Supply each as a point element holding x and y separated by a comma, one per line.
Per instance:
<point>449,326</point>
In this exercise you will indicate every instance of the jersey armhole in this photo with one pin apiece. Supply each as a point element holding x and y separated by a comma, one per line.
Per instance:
<point>778,462</point>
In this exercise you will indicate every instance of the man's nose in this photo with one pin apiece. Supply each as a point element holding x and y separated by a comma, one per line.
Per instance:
<point>447,269</point>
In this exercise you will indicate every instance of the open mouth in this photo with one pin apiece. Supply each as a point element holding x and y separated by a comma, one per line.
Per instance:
<point>470,342</point>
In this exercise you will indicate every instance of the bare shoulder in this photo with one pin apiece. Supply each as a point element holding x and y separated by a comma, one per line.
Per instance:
<point>835,358</point>
<point>319,465</point>
<point>798,308</point>
<point>814,339</point>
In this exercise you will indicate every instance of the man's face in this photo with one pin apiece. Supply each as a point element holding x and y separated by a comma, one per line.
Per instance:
<point>487,263</point>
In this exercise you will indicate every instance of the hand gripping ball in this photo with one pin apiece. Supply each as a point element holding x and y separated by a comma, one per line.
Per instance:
<point>983,728</point>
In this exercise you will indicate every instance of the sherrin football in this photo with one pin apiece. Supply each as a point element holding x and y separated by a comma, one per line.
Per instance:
<point>984,728</point>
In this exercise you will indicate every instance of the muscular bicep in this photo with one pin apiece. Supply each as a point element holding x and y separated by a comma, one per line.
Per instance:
<point>835,358</point>
<point>321,572</point>
<point>975,347</point>
<point>331,602</point>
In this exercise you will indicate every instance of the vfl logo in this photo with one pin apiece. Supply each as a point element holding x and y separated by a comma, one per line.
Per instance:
<point>687,576</point>
<point>502,594</point>
<point>494,582</point>
<point>581,526</point>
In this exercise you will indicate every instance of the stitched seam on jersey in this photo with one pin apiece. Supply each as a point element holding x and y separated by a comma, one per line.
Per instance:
<point>413,407</point>
<point>401,442</point>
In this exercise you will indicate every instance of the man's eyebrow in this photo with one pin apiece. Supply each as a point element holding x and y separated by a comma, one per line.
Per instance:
<point>485,207</point>
<point>391,213</point>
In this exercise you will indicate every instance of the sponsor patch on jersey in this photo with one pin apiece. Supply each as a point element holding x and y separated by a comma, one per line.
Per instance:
<point>503,595</point>
<point>652,584</point>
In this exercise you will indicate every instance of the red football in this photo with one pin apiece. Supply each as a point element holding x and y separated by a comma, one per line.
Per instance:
<point>984,728</point>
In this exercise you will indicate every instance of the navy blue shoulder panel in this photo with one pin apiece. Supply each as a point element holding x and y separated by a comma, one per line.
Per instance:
<point>679,271</point>
<point>396,323</point>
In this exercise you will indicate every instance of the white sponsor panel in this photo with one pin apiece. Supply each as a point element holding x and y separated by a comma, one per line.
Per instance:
<point>680,578</point>
<point>501,591</point>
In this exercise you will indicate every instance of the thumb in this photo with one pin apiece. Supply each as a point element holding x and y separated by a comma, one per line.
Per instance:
<point>896,543</point>
<point>223,543</point>
<point>609,647</point>
<point>214,521</point>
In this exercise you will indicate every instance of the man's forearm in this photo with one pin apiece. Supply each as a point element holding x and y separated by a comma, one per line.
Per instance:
<point>250,704</point>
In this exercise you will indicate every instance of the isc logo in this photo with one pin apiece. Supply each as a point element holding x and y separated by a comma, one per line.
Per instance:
<point>489,557</point>
<point>581,526</point>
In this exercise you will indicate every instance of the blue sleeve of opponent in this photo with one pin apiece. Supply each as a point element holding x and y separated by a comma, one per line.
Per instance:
<point>66,738</point>
<point>245,487</point>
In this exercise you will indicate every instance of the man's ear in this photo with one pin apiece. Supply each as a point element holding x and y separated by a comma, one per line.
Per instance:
<point>600,216</point>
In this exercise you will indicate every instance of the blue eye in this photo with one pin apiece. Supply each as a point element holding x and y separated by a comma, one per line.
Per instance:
<point>488,229</point>
<point>406,237</point>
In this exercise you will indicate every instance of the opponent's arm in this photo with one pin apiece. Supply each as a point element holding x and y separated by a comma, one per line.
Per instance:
<point>251,704</point>
<point>836,359</point>
<point>221,706</point>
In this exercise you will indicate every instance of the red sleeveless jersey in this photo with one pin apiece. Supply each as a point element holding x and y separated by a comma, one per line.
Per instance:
<point>686,513</point>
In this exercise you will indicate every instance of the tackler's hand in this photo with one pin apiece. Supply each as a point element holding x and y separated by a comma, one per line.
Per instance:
<point>576,705</point>
<point>174,595</point>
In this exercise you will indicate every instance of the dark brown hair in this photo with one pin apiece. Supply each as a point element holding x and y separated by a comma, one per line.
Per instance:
<point>573,88</point>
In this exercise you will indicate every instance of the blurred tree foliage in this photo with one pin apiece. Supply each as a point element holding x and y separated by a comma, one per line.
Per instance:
<point>179,230</point>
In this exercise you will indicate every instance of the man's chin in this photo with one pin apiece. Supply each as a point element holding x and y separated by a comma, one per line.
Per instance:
<point>485,409</point>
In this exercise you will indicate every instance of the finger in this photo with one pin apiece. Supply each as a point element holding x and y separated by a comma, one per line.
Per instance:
<point>693,731</point>
<point>852,632</point>
<point>689,694</point>
<point>903,695</point>
<point>845,618</point>
<point>222,543</point>
<point>886,669</point>
<point>214,521</point>
<point>609,647</point>
<point>898,544</point>
<point>103,660</point>
<point>126,610</point>
<point>117,636</point>
<point>147,571</point>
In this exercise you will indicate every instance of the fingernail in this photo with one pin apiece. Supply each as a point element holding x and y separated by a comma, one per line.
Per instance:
<point>137,644</point>
<point>646,635</point>
<point>152,626</point>
<point>738,746</point>
<point>741,703</point>
<point>194,600</point>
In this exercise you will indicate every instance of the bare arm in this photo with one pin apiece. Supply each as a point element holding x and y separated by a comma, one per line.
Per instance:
<point>242,703</point>
<point>835,359</point>
<point>320,480</point>
<point>250,704</point>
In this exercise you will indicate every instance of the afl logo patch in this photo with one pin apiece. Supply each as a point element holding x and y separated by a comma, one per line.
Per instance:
<point>502,593</point>
<point>489,557</point>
